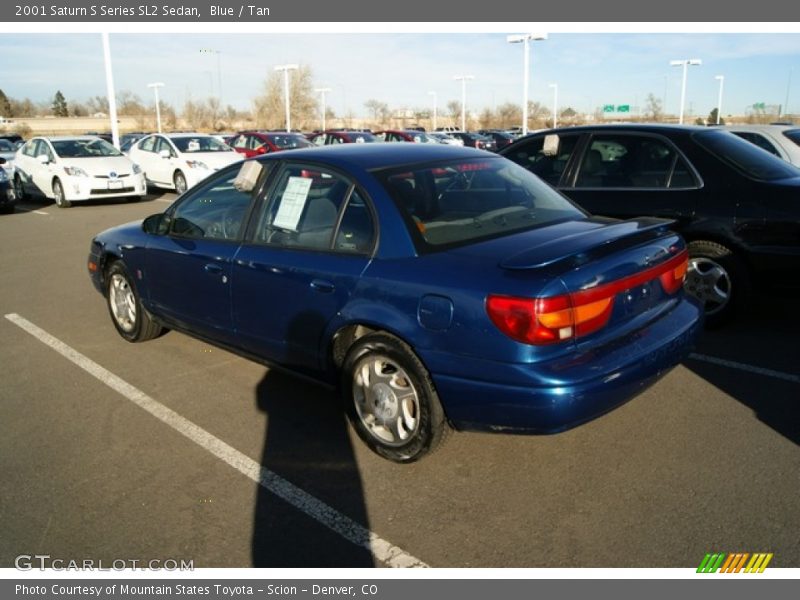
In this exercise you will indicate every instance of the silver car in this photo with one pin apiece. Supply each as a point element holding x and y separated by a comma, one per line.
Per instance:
<point>780,140</point>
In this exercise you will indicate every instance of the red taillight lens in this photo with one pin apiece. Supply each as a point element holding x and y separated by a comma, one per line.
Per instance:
<point>557,318</point>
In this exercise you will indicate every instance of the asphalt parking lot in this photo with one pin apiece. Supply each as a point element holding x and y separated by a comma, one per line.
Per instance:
<point>208,457</point>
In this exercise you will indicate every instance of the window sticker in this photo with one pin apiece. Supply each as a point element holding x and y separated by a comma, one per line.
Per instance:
<point>293,200</point>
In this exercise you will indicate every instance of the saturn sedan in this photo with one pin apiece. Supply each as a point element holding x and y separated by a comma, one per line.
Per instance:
<point>436,286</point>
<point>75,169</point>
<point>177,161</point>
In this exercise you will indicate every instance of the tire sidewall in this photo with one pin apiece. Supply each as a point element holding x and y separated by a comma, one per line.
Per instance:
<point>179,176</point>
<point>736,270</point>
<point>119,269</point>
<point>430,416</point>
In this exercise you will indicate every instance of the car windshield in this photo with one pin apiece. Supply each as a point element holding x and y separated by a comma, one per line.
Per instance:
<point>286,142</point>
<point>453,203</point>
<point>6,146</point>
<point>360,137</point>
<point>420,137</point>
<point>84,148</point>
<point>747,158</point>
<point>793,134</point>
<point>200,143</point>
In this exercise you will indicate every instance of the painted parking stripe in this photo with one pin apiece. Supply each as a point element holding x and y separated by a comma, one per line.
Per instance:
<point>352,531</point>
<point>745,367</point>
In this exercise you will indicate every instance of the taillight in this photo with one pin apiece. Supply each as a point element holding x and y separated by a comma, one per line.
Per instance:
<point>554,319</point>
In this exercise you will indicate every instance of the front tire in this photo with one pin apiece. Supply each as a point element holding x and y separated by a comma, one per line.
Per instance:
<point>125,307</point>
<point>719,279</point>
<point>179,179</point>
<point>58,195</point>
<point>390,399</point>
<point>19,188</point>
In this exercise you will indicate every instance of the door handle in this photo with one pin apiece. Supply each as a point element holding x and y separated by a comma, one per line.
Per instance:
<point>322,286</point>
<point>213,268</point>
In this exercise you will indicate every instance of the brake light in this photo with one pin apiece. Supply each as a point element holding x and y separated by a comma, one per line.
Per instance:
<point>549,320</point>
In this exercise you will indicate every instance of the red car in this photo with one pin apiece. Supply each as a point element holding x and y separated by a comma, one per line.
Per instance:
<point>342,136</point>
<point>405,135</point>
<point>254,143</point>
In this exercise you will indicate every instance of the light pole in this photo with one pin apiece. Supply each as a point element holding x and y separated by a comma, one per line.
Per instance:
<point>463,79</point>
<point>322,92</point>
<point>721,79</point>
<point>112,99</point>
<point>555,102</point>
<point>434,108</point>
<point>525,38</point>
<point>219,70</point>
<point>286,69</point>
<point>155,87</point>
<point>685,63</point>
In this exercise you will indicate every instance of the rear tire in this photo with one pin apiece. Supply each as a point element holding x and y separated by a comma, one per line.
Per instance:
<point>719,279</point>
<point>130,318</point>
<point>19,188</point>
<point>390,399</point>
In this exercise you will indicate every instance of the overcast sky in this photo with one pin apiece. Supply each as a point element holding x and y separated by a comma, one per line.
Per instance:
<point>590,69</point>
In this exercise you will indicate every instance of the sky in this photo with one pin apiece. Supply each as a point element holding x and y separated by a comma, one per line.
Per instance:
<point>400,69</point>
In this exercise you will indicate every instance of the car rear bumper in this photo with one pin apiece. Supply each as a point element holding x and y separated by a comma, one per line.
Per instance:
<point>571,391</point>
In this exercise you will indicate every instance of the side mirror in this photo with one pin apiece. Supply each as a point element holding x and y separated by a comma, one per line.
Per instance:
<point>156,224</point>
<point>164,154</point>
<point>43,158</point>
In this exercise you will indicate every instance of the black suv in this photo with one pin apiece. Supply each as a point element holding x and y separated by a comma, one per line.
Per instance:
<point>737,205</point>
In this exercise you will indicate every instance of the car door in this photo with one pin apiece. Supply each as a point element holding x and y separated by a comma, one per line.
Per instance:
<point>630,174</point>
<point>164,166</point>
<point>143,154</point>
<point>312,239</point>
<point>26,163</point>
<point>188,269</point>
<point>42,174</point>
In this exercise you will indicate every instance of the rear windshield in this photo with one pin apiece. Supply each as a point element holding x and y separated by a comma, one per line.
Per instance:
<point>361,137</point>
<point>287,142</point>
<point>201,143</point>
<point>748,159</point>
<point>451,203</point>
<point>793,134</point>
<point>84,148</point>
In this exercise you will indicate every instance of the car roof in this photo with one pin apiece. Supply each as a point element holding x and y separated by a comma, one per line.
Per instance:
<point>185,135</point>
<point>67,138</point>
<point>376,156</point>
<point>749,127</point>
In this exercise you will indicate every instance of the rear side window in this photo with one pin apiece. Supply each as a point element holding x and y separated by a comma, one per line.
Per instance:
<point>759,140</point>
<point>452,203</point>
<point>744,156</point>
<point>793,134</point>
<point>547,165</point>
<point>632,161</point>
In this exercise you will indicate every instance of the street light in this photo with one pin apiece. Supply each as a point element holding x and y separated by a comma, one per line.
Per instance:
<point>112,98</point>
<point>286,69</point>
<point>155,87</point>
<point>463,79</point>
<point>322,92</point>
<point>685,63</point>
<point>525,38</point>
<point>219,70</point>
<point>434,108</point>
<point>555,101</point>
<point>721,79</point>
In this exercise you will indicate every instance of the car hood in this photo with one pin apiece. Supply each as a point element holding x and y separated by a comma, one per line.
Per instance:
<point>107,166</point>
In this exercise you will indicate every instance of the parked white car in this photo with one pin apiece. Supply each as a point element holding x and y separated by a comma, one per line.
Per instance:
<point>780,140</point>
<point>177,161</point>
<point>444,138</point>
<point>75,169</point>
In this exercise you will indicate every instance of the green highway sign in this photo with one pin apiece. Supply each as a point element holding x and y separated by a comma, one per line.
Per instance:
<point>626,108</point>
<point>608,108</point>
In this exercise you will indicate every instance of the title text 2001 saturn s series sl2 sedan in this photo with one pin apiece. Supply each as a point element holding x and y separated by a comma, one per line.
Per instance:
<point>438,286</point>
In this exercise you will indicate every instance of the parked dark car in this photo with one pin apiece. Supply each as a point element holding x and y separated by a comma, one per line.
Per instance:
<point>254,143</point>
<point>501,138</point>
<point>437,285</point>
<point>735,204</point>
<point>126,140</point>
<point>8,196</point>
<point>474,140</point>
<point>342,136</point>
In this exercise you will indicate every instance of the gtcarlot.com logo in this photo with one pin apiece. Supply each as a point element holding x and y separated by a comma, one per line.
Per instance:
<point>29,562</point>
<point>741,562</point>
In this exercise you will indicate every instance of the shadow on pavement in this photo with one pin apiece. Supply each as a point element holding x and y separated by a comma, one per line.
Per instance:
<point>306,443</point>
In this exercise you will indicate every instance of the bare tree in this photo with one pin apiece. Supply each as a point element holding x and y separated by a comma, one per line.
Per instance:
<point>269,109</point>
<point>509,114</point>
<point>653,109</point>
<point>379,111</point>
<point>538,114</point>
<point>454,110</point>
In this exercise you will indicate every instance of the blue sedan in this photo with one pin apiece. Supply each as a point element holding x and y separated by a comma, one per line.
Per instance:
<point>439,287</point>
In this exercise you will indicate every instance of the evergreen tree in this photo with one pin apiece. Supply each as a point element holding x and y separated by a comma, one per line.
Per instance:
<point>5,106</point>
<point>60,105</point>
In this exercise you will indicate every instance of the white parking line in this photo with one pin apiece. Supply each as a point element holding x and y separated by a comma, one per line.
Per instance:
<point>326,515</point>
<point>745,367</point>
<point>40,212</point>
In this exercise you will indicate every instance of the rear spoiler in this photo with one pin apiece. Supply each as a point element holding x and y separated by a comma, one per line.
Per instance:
<point>586,245</point>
